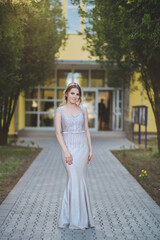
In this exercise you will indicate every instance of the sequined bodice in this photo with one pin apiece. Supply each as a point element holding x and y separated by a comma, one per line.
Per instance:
<point>72,123</point>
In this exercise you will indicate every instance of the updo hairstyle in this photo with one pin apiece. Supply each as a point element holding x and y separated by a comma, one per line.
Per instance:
<point>69,87</point>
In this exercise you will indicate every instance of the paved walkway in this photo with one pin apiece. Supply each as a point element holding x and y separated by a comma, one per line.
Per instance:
<point>121,208</point>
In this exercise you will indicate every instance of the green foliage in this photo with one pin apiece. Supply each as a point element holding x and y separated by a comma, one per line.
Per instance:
<point>10,159</point>
<point>123,151</point>
<point>143,174</point>
<point>127,39</point>
<point>32,143</point>
<point>44,34</point>
<point>31,33</point>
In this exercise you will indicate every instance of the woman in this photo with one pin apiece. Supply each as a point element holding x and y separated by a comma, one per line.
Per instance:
<point>75,141</point>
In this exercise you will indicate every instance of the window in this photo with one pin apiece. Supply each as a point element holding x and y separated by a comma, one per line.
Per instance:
<point>39,107</point>
<point>46,120</point>
<point>88,8</point>
<point>49,83</point>
<point>47,106</point>
<point>41,101</point>
<point>73,18</point>
<point>32,100</point>
<point>31,106</point>
<point>97,78</point>
<point>81,77</point>
<point>32,93</point>
<point>46,100</point>
<point>46,93</point>
<point>31,120</point>
<point>60,94</point>
<point>64,77</point>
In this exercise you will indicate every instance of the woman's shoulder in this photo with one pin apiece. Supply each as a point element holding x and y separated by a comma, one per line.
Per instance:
<point>59,109</point>
<point>83,106</point>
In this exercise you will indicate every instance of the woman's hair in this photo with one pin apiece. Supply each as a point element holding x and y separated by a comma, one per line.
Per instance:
<point>68,88</point>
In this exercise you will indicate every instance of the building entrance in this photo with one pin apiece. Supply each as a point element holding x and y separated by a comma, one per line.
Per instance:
<point>110,108</point>
<point>104,104</point>
<point>105,110</point>
<point>89,97</point>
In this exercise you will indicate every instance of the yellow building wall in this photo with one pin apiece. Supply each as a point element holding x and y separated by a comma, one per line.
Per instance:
<point>139,97</point>
<point>21,112</point>
<point>74,44</point>
<point>11,127</point>
<point>73,49</point>
<point>20,116</point>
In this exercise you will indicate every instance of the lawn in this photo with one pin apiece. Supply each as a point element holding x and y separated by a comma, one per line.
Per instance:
<point>14,161</point>
<point>137,161</point>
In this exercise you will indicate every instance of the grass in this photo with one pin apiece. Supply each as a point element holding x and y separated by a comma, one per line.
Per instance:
<point>10,159</point>
<point>14,161</point>
<point>137,160</point>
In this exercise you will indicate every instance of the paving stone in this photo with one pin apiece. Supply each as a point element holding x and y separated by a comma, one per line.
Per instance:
<point>122,209</point>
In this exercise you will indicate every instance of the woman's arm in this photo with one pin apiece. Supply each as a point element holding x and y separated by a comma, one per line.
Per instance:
<point>68,156</point>
<point>88,134</point>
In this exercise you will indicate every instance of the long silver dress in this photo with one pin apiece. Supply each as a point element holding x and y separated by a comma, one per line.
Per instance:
<point>76,211</point>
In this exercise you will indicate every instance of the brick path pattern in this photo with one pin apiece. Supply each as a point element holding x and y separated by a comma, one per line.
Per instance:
<point>121,208</point>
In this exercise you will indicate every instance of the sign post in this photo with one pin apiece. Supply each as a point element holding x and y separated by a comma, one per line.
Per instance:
<point>139,116</point>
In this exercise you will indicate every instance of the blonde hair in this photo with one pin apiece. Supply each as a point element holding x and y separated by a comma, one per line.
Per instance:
<point>68,88</point>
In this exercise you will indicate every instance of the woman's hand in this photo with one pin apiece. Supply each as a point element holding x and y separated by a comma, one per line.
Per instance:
<point>68,157</point>
<point>90,156</point>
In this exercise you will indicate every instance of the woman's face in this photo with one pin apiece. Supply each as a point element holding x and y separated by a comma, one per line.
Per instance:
<point>73,95</point>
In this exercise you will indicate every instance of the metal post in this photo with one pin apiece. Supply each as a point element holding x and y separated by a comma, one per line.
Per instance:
<point>146,114</point>
<point>146,136</point>
<point>132,131</point>
<point>16,120</point>
<point>139,134</point>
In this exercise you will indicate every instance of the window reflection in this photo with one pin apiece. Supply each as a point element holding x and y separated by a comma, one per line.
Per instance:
<point>64,77</point>
<point>89,102</point>
<point>46,106</point>
<point>73,18</point>
<point>46,94</point>
<point>73,21</point>
<point>60,94</point>
<point>59,103</point>
<point>46,120</point>
<point>119,122</point>
<point>88,20</point>
<point>31,106</point>
<point>31,93</point>
<point>97,78</point>
<point>49,83</point>
<point>81,77</point>
<point>31,120</point>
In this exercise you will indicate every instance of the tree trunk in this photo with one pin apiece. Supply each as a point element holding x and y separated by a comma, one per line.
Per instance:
<point>157,118</point>
<point>9,108</point>
<point>154,73</point>
<point>158,131</point>
<point>3,136</point>
<point>158,138</point>
<point>150,78</point>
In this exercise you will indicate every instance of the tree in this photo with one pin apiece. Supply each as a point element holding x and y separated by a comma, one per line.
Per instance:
<point>31,33</point>
<point>127,33</point>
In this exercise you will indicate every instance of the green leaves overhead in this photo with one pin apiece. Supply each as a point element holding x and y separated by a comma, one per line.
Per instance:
<point>127,39</point>
<point>31,33</point>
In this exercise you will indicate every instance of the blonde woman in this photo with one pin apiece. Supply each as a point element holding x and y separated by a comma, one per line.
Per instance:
<point>72,132</point>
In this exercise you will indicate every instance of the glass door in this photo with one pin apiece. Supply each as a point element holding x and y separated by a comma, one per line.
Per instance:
<point>89,99</point>
<point>117,110</point>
